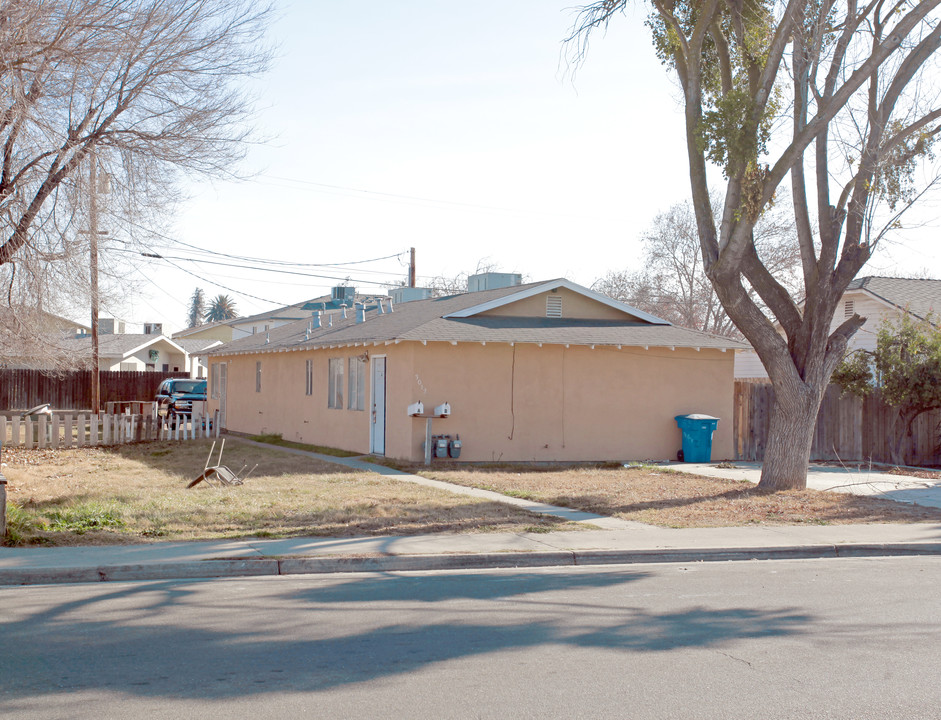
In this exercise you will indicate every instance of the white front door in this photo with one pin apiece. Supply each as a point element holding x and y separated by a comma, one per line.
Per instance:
<point>223,373</point>
<point>377,433</point>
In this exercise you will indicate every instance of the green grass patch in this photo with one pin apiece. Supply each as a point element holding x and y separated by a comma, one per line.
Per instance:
<point>85,517</point>
<point>22,526</point>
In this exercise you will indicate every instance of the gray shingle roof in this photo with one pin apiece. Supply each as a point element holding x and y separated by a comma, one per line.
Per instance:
<point>919,297</point>
<point>195,345</point>
<point>119,344</point>
<point>424,320</point>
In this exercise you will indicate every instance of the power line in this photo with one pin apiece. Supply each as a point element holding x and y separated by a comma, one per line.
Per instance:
<point>265,260</point>
<point>249,267</point>
<point>237,292</point>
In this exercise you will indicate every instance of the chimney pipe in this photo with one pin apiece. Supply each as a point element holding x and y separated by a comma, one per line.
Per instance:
<point>343,310</point>
<point>316,316</point>
<point>360,312</point>
<point>381,309</point>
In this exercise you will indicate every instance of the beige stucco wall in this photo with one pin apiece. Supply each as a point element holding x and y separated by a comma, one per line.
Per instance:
<point>282,405</point>
<point>508,403</point>
<point>574,305</point>
<point>553,403</point>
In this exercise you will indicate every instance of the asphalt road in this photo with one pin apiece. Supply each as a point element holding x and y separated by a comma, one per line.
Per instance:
<point>848,638</point>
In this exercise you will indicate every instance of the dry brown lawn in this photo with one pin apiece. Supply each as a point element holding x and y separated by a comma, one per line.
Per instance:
<point>660,496</point>
<point>136,493</point>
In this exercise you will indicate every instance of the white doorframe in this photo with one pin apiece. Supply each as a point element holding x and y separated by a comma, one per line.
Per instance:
<point>377,403</point>
<point>223,381</point>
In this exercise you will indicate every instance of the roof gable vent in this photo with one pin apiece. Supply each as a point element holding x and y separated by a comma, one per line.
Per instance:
<point>553,306</point>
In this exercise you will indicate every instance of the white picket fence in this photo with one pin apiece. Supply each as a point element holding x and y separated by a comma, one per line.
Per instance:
<point>80,430</point>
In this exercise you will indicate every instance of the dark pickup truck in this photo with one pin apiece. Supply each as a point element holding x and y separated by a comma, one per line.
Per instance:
<point>176,396</point>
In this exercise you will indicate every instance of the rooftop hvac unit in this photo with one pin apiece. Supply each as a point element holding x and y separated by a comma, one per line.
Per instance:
<point>343,293</point>
<point>407,294</point>
<point>110,326</point>
<point>493,280</point>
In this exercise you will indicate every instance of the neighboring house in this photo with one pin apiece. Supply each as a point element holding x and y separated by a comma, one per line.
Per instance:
<point>543,371</point>
<point>141,352</point>
<point>874,298</point>
<point>33,338</point>
<point>197,349</point>
<point>135,351</point>
<point>229,330</point>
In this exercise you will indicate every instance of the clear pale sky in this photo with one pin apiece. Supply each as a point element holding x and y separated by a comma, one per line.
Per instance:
<point>454,128</point>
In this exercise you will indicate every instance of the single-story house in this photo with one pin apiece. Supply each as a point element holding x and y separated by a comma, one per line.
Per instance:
<point>142,352</point>
<point>547,371</point>
<point>875,298</point>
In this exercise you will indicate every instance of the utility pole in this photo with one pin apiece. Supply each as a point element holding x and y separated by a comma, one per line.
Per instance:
<point>93,246</point>
<point>411,268</point>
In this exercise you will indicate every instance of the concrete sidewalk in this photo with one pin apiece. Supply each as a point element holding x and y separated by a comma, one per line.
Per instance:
<point>604,541</point>
<point>450,551</point>
<point>853,479</point>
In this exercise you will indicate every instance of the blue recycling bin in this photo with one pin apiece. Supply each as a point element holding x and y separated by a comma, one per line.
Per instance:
<point>697,432</point>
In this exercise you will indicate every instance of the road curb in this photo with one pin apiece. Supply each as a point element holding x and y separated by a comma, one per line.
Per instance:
<point>301,565</point>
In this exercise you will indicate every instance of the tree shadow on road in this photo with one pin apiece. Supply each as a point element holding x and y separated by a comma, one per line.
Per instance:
<point>178,640</point>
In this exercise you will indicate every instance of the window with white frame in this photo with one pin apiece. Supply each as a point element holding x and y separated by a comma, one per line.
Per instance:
<point>335,383</point>
<point>309,378</point>
<point>357,393</point>
<point>258,376</point>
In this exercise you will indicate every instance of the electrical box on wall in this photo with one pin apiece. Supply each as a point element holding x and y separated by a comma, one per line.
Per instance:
<point>443,410</point>
<point>416,408</point>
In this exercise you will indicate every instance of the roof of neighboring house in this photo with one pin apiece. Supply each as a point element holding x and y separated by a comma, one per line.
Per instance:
<point>195,346</point>
<point>200,328</point>
<point>919,297</point>
<point>457,318</point>
<point>125,344</point>
<point>43,321</point>
<point>298,311</point>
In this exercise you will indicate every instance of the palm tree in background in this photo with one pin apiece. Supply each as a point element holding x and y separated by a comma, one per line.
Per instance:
<point>222,307</point>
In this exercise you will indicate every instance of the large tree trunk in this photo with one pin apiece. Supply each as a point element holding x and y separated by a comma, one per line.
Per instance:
<point>790,437</point>
<point>902,431</point>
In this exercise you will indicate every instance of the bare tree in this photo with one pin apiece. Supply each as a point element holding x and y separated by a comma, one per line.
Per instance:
<point>672,282</point>
<point>772,88</point>
<point>442,285</point>
<point>135,91</point>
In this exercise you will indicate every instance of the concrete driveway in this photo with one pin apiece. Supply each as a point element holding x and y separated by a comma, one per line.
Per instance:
<point>849,479</point>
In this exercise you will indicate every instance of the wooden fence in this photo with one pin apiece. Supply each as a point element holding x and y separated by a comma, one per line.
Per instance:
<point>24,389</point>
<point>848,428</point>
<point>82,429</point>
